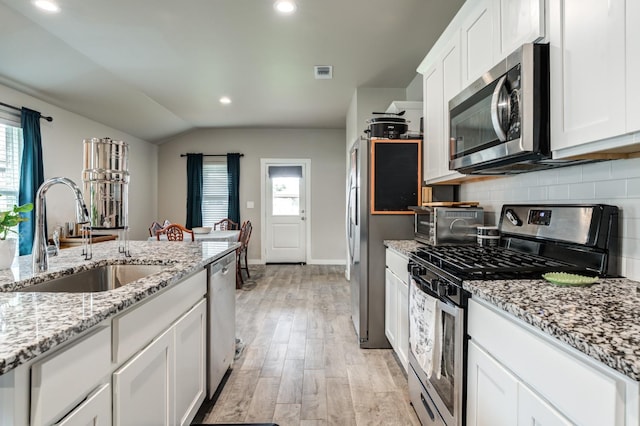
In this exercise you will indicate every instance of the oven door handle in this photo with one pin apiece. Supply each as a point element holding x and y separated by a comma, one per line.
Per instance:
<point>497,105</point>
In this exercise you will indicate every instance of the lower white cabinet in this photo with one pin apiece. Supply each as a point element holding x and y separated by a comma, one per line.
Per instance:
<point>95,410</point>
<point>143,387</point>
<point>164,383</point>
<point>396,324</point>
<point>519,375</point>
<point>496,397</point>
<point>190,349</point>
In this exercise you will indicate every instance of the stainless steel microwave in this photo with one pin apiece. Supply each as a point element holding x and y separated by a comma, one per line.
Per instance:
<point>500,123</point>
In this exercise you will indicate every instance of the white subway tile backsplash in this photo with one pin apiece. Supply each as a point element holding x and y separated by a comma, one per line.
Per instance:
<point>558,192</point>
<point>596,171</point>
<point>571,174</point>
<point>613,182</point>
<point>633,187</point>
<point>583,191</point>
<point>625,168</point>
<point>611,189</point>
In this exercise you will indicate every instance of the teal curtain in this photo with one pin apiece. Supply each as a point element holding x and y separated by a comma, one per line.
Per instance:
<point>31,175</point>
<point>233,179</point>
<point>194,190</point>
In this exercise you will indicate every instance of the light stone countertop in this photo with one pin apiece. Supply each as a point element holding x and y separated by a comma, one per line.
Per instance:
<point>33,323</point>
<point>601,320</point>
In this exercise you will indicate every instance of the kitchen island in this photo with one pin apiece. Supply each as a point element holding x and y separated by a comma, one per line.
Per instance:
<point>35,327</point>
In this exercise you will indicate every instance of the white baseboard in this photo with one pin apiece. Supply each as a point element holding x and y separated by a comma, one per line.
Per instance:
<point>310,262</point>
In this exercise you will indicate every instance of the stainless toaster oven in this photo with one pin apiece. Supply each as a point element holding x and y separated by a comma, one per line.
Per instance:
<point>438,226</point>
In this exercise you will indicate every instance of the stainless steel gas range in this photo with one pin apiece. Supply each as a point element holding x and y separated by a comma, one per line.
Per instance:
<point>535,239</point>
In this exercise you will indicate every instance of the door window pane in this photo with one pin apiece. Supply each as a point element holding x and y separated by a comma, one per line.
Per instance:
<point>286,196</point>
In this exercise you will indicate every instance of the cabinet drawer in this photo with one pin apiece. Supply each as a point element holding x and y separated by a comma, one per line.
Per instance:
<point>580,390</point>
<point>95,411</point>
<point>64,378</point>
<point>134,329</point>
<point>398,264</point>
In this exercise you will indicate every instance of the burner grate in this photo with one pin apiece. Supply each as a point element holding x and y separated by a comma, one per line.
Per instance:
<point>490,260</point>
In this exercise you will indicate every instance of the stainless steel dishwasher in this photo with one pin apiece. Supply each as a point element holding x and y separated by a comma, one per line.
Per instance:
<point>221,324</point>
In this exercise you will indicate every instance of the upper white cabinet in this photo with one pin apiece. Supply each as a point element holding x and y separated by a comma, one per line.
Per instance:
<point>478,41</point>
<point>633,65</point>
<point>517,23</point>
<point>587,55</point>
<point>480,35</point>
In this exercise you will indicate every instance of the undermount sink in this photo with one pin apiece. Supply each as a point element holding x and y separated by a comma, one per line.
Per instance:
<point>102,278</point>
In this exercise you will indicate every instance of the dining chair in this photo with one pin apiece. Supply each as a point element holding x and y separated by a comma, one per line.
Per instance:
<point>155,226</point>
<point>174,232</point>
<point>226,224</point>
<point>241,252</point>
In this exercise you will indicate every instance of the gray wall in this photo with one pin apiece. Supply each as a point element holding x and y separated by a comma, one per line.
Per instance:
<point>62,146</point>
<point>325,149</point>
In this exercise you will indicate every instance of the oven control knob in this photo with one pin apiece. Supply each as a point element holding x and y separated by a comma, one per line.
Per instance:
<point>443,289</point>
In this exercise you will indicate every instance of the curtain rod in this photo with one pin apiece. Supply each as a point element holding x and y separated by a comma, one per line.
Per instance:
<point>211,155</point>
<point>49,119</point>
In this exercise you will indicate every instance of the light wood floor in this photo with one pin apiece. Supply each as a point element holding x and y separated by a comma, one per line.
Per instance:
<point>301,364</point>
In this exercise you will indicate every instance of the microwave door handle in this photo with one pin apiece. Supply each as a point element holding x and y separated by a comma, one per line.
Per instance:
<point>495,110</point>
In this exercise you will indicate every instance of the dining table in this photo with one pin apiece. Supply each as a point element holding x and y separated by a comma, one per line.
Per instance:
<point>214,235</point>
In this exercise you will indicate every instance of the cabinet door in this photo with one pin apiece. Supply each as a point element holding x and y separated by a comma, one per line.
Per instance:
<point>451,86</point>
<point>587,51</point>
<point>143,387</point>
<point>432,87</point>
<point>402,335</point>
<point>518,22</point>
<point>95,410</point>
<point>477,42</point>
<point>390,307</point>
<point>190,351</point>
<point>535,412</point>
<point>492,393</point>
<point>633,65</point>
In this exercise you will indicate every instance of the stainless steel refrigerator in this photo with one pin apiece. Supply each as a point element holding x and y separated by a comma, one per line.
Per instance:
<point>366,233</point>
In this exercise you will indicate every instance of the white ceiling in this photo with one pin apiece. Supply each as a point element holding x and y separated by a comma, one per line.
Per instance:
<point>156,68</point>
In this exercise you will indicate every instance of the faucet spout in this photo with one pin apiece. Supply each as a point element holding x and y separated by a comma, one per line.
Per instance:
<point>39,254</point>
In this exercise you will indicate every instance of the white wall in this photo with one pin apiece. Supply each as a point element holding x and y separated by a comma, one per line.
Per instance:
<point>62,145</point>
<point>610,182</point>
<point>325,149</point>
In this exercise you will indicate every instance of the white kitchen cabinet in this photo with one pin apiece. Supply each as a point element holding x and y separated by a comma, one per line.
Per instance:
<point>64,378</point>
<point>587,67</point>
<point>492,392</point>
<point>516,23</point>
<point>556,384</point>
<point>533,410</point>
<point>633,65</point>
<point>390,307</point>
<point>397,305</point>
<point>478,40</point>
<point>190,371</point>
<point>95,410</point>
<point>402,338</point>
<point>496,397</point>
<point>143,388</point>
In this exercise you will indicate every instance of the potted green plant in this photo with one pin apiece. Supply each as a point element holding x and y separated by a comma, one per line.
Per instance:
<point>8,220</point>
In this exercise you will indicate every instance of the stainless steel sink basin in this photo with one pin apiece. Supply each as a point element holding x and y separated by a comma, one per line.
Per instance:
<point>98,279</point>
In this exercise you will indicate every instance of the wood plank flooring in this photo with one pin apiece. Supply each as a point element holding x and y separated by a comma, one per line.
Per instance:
<point>301,364</point>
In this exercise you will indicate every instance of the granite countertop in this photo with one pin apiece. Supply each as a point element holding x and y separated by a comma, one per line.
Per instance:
<point>33,323</point>
<point>601,320</point>
<point>402,246</point>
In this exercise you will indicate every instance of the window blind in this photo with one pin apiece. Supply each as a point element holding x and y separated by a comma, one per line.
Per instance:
<point>215,192</point>
<point>10,150</point>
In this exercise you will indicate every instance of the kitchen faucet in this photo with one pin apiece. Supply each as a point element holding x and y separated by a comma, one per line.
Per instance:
<point>39,251</point>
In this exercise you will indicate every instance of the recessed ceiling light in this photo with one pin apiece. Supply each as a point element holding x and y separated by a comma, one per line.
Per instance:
<point>286,7</point>
<point>225,100</point>
<point>47,5</point>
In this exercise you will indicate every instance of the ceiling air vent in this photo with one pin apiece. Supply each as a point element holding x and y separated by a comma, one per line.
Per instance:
<point>323,72</point>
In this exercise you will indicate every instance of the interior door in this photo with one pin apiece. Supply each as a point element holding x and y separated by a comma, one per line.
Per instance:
<point>286,211</point>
